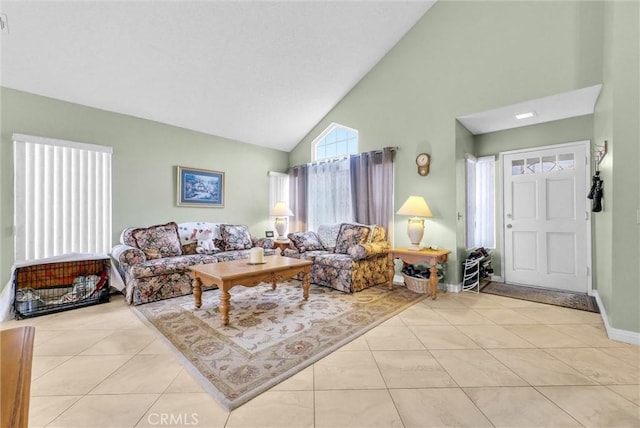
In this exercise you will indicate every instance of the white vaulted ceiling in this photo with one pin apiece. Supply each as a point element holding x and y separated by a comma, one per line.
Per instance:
<point>254,71</point>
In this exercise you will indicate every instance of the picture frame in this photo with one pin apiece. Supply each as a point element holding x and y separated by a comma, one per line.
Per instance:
<point>200,188</point>
<point>269,234</point>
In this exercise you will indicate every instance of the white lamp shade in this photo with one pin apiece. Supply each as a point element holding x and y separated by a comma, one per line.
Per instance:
<point>281,209</point>
<point>415,206</point>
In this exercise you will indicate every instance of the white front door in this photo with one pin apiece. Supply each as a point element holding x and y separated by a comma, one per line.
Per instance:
<point>546,217</point>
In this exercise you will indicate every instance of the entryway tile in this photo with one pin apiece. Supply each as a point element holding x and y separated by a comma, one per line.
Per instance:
<point>141,374</point>
<point>524,407</point>
<point>77,375</point>
<point>443,337</point>
<point>539,368</point>
<point>275,409</point>
<point>384,338</point>
<point>544,336</point>
<point>411,369</point>
<point>494,336</point>
<point>355,408</point>
<point>185,410</point>
<point>594,406</point>
<point>437,407</point>
<point>599,366</point>
<point>347,370</point>
<point>43,410</point>
<point>476,368</point>
<point>105,411</point>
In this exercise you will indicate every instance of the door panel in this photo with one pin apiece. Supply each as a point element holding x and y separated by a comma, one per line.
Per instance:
<point>544,216</point>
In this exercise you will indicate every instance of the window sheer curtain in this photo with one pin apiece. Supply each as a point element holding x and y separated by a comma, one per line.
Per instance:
<point>480,201</point>
<point>358,188</point>
<point>329,193</point>
<point>372,188</point>
<point>62,197</point>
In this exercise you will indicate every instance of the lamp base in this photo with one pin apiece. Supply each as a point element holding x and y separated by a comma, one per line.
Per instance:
<point>414,247</point>
<point>281,227</point>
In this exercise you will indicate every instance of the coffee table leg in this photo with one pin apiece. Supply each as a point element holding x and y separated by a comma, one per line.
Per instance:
<point>224,306</point>
<point>305,285</point>
<point>197,292</point>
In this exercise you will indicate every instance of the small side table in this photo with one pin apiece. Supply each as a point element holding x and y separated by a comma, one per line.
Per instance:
<point>432,257</point>
<point>281,245</point>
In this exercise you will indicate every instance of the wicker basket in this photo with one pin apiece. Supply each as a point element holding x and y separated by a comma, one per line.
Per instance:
<point>417,285</point>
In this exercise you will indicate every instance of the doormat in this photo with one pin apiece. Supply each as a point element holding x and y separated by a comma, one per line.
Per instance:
<point>272,334</point>
<point>565,299</point>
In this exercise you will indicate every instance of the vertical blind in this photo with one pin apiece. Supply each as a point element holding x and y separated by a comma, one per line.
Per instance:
<point>62,197</point>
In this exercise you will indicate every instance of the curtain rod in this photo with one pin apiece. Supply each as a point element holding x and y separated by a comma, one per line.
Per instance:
<point>343,157</point>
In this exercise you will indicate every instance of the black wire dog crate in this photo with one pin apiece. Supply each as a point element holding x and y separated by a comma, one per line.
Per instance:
<point>52,287</point>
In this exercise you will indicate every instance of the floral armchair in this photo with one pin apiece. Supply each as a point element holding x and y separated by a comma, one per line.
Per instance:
<point>347,257</point>
<point>154,261</point>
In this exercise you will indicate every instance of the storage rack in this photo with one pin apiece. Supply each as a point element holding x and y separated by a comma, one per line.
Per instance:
<point>477,269</point>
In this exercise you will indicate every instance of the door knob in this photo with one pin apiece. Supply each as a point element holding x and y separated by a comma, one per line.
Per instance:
<point>509,226</point>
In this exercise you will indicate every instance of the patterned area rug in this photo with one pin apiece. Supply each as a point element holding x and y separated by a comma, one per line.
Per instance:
<point>272,334</point>
<point>552,297</point>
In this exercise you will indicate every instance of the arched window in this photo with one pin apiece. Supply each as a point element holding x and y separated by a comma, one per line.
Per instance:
<point>334,142</point>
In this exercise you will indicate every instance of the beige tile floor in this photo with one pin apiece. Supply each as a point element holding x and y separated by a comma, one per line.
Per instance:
<point>461,360</point>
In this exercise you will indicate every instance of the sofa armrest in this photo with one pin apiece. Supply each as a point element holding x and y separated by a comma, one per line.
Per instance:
<point>373,249</point>
<point>266,243</point>
<point>126,255</point>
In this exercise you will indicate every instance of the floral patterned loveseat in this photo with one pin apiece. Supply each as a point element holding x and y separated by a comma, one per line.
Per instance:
<point>347,257</point>
<point>154,261</point>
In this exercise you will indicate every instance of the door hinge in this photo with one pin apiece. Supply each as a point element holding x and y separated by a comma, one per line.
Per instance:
<point>586,215</point>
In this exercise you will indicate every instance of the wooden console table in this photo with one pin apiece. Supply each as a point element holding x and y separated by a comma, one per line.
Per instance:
<point>16,353</point>
<point>431,257</point>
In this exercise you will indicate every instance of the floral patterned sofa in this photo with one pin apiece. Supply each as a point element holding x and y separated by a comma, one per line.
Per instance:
<point>154,261</point>
<point>347,257</point>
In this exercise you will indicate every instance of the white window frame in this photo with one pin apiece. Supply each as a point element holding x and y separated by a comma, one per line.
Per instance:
<point>323,134</point>
<point>62,197</point>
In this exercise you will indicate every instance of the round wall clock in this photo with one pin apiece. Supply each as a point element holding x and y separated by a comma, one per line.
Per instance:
<point>423,160</point>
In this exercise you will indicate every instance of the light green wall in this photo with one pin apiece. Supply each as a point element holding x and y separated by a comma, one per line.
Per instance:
<point>617,232</point>
<point>462,58</point>
<point>557,132</point>
<point>145,156</point>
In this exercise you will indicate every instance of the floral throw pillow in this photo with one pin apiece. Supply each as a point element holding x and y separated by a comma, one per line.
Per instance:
<point>305,241</point>
<point>350,235</point>
<point>158,241</point>
<point>235,237</point>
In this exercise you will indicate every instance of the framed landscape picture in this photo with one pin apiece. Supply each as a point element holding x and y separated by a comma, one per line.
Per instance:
<point>200,188</point>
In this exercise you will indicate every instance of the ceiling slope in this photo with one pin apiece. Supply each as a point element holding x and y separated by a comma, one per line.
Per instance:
<point>258,72</point>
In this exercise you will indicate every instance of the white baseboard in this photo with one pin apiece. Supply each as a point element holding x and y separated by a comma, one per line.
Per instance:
<point>454,288</point>
<point>626,336</point>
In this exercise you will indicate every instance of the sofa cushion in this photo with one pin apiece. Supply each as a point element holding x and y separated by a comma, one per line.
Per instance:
<point>350,235</point>
<point>170,265</point>
<point>337,261</point>
<point>328,233</point>
<point>158,241</point>
<point>235,237</point>
<point>306,241</point>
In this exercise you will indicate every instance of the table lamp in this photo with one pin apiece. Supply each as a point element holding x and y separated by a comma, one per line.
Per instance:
<point>416,207</point>
<point>282,213</point>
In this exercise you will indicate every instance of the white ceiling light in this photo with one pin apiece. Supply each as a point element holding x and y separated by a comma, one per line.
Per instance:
<point>525,115</point>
